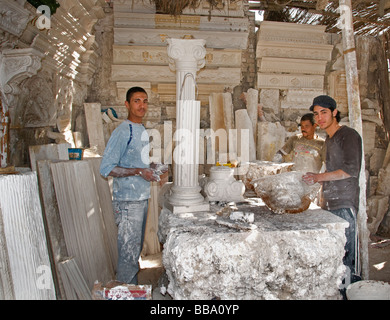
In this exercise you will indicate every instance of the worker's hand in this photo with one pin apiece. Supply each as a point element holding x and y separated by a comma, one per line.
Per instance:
<point>149,175</point>
<point>310,178</point>
<point>159,168</point>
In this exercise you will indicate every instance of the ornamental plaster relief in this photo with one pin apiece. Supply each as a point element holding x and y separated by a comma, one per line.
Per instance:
<point>192,22</point>
<point>14,17</point>
<point>224,8</point>
<point>287,81</point>
<point>140,55</point>
<point>162,74</point>
<point>292,56</point>
<point>158,56</point>
<point>158,37</point>
<point>300,99</point>
<point>46,77</point>
<point>292,33</point>
<point>287,50</point>
<point>285,65</point>
<point>338,90</point>
<point>15,66</point>
<point>37,107</point>
<point>19,61</point>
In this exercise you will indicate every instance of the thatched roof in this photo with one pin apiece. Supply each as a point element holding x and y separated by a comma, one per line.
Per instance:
<point>370,17</point>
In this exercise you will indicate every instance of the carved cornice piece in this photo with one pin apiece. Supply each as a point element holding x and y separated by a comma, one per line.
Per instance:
<point>292,33</point>
<point>14,17</point>
<point>15,66</point>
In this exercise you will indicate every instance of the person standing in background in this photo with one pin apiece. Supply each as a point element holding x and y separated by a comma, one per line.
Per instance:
<point>307,148</point>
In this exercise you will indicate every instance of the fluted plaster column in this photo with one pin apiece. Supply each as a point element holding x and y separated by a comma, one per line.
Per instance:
<point>186,58</point>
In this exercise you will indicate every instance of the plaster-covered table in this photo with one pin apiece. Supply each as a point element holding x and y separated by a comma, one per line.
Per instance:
<point>289,256</point>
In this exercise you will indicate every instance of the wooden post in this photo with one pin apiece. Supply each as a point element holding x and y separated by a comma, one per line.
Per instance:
<point>4,129</point>
<point>355,119</point>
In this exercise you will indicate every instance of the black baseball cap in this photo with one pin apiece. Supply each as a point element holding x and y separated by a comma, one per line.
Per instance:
<point>325,102</point>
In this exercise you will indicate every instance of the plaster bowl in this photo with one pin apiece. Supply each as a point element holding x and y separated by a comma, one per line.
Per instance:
<point>286,192</point>
<point>368,290</point>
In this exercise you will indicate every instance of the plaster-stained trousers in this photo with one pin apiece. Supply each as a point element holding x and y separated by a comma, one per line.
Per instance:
<point>130,217</point>
<point>351,256</point>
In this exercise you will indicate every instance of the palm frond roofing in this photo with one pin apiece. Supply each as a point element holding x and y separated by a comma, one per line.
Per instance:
<point>369,17</point>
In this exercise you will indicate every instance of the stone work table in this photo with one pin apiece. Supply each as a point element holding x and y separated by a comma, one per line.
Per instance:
<point>290,256</point>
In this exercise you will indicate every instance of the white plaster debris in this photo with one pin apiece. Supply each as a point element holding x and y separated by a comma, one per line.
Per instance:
<point>247,217</point>
<point>163,290</point>
<point>286,257</point>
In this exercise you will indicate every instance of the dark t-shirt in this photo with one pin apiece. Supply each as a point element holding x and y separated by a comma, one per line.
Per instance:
<point>343,151</point>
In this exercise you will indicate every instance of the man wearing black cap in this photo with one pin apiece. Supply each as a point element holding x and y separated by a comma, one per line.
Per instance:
<point>340,181</point>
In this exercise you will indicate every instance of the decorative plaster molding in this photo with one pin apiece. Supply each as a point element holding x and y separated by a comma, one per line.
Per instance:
<point>291,33</point>
<point>158,56</point>
<point>291,50</point>
<point>17,65</point>
<point>190,22</point>
<point>229,77</point>
<point>300,98</point>
<point>285,65</point>
<point>225,8</point>
<point>286,81</point>
<point>338,90</point>
<point>14,17</point>
<point>158,37</point>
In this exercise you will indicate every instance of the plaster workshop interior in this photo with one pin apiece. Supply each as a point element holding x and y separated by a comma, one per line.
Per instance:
<point>236,76</point>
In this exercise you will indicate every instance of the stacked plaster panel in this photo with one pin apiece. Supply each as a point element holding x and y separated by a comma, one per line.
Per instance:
<point>25,266</point>
<point>292,57</point>
<point>83,222</point>
<point>291,63</point>
<point>140,46</point>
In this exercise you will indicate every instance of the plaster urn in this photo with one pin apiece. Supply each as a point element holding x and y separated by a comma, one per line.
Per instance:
<point>286,192</point>
<point>222,186</point>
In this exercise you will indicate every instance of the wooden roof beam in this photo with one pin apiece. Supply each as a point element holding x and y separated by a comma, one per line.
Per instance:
<point>321,4</point>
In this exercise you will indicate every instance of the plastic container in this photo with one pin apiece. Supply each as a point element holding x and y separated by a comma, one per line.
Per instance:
<point>75,153</point>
